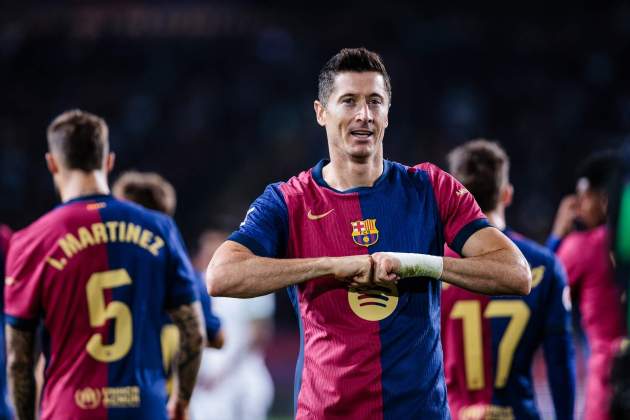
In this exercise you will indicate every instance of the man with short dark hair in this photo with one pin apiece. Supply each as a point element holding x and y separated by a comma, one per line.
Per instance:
<point>586,256</point>
<point>489,341</point>
<point>369,317</point>
<point>100,273</point>
<point>148,189</point>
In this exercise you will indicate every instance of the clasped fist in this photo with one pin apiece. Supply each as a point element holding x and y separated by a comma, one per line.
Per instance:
<point>367,270</point>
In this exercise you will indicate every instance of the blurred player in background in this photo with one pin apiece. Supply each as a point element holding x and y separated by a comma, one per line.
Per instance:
<point>369,319</point>
<point>101,273</point>
<point>152,191</point>
<point>489,341</point>
<point>5,411</point>
<point>620,229</point>
<point>587,258</point>
<point>234,383</point>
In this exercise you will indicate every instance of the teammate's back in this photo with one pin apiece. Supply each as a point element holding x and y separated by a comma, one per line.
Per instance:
<point>100,273</point>
<point>494,339</point>
<point>489,342</point>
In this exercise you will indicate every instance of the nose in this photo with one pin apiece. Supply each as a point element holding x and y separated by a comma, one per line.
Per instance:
<point>365,113</point>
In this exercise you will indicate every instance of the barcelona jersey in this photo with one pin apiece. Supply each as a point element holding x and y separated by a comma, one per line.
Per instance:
<point>489,343</point>
<point>365,353</point>
<point>100,273</point>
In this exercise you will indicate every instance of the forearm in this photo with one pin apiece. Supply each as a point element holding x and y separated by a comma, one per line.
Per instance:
<point>495,273</point>
<point>252,276</point>
<point>20,372</point>
<point>189,320</point>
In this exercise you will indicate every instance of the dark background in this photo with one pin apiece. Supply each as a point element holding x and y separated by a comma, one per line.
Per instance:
<point>217,97</point>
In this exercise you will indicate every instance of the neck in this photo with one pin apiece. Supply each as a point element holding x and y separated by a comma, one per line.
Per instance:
<point>77,183</point>
<point>496,218</point>
<point>343,173</point>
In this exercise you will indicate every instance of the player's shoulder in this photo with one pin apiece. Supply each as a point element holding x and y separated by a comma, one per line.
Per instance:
<point>535,253</point>
<point>39,230</point>
<point>580,244</point>
<point>597,234</point>
<point>430,172</point>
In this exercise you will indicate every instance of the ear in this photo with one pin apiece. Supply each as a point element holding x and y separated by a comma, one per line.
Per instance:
<point>51,163</point>
<point>109,162</point>
<point>507,194</point>
<point>320,113</point>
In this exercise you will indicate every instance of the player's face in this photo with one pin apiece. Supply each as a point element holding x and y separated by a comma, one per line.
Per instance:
<point>591,205</point>
<point>355,116</point>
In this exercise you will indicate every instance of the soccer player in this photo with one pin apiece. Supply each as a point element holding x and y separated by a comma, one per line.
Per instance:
<point>234,383</point>
<point>587,259</point>
<point>369,318</point>
<point>489,341</point>
<point>5,411</point>
<point>100,273</point>
<point>152,191</point>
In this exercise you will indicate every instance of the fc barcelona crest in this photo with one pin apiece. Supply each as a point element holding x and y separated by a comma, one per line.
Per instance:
<point>364,232</point>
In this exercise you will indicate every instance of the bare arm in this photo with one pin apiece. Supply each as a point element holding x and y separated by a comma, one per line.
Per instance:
<point>189,320</point>
<point>20,370</point>
<point>492,265</point>
<point>236,272</point>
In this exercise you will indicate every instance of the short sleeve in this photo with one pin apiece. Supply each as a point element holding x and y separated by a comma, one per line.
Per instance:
<point>23,283</point>
<point>213,323</point>
<point>181,282</point>
<point>265,227</point>
<point>459,212</point>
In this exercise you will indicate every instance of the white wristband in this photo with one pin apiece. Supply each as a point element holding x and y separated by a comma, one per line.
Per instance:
<point>418,265</point>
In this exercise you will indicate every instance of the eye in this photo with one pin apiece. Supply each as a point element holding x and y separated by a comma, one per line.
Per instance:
<point>348,100</point>
<point>376,101</point>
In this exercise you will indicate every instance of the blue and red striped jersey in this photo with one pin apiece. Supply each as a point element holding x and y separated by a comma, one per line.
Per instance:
<point>370,353</point>
<point>5,411</point>
<point>100,273</point>
<point>489,343</point>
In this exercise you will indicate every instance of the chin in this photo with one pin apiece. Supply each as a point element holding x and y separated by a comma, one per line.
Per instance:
<point>362,151</point>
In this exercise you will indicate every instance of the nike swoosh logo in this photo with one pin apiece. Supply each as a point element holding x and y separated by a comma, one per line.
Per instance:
<point>312,216</point>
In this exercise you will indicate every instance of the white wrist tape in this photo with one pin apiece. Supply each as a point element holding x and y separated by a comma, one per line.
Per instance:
<point>418,265</point>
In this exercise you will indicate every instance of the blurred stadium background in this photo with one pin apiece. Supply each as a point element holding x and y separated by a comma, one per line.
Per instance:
<point>217,97</point>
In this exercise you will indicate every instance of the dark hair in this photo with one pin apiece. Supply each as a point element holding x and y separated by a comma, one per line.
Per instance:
<point>148,189</point>
<point>80,139</point>
<point>482,166</point>
<point>599,169</point>
<point>350,59</point>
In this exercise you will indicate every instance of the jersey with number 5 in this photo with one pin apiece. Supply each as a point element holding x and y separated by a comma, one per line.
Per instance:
<point>489,343</point>
<point>100,273</point>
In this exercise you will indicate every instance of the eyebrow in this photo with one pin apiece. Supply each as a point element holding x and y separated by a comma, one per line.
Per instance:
<point>371,95</point>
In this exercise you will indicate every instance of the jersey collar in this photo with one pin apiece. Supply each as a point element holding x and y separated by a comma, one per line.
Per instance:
<point>319,178</point>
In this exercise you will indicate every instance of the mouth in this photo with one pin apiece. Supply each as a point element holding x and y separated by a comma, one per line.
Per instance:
<point>362,134</point>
